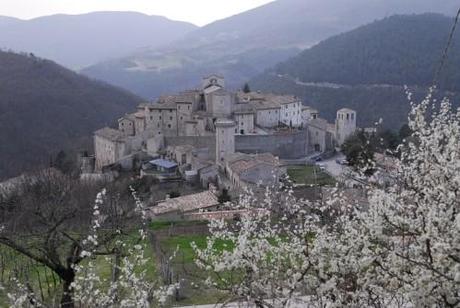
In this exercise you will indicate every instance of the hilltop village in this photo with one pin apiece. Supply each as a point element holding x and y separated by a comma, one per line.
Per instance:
<point>217,138</point>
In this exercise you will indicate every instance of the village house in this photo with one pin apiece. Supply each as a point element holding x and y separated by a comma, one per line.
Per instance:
<point>204,130</point>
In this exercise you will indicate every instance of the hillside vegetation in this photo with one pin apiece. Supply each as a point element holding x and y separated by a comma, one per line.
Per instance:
<point>368,68</point>
<point>397,50</point>
<point>45,107</point>
<point>242,46</point>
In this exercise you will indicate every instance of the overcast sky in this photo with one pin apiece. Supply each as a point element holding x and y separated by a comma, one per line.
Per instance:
<point>199,12</point>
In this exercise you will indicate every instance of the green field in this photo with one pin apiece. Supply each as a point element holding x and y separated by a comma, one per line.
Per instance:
<point>47,285</point>
<point>309,175</point>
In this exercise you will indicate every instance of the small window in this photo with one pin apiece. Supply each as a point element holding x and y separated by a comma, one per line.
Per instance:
<point>160,117</point>
<point>188,107</point>
<point>170,118</point>
<point>169,125</point>
<point>181,118</point>
<point>151,118</point>
<point>178,107</point>
<point>122,124</point>
<point>170,110</point>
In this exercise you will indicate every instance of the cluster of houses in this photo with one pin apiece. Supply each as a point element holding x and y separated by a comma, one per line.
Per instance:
<point>231,140</point>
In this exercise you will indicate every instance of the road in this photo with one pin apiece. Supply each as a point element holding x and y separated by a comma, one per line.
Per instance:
<point>332,167</point>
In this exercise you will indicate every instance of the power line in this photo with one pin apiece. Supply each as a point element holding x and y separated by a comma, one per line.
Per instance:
<point>446,50</point>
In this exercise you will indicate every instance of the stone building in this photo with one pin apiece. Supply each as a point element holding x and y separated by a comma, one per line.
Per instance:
<point>110,146</point>
<point>250,171</point>
<point>225,140</point>
<point>345,125</point>
<point>261,122</point>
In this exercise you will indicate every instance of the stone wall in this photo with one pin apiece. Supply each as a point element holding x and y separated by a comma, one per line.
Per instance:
<point>196,141</point>
<point>287,146</point>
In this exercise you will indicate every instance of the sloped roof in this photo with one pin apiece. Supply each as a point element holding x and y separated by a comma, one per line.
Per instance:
<point>110,134</point>
<point>129,116</point>
<point>346,110</point>
<point>187,203</point>
<point>163,163</point>
<point>212,89</point>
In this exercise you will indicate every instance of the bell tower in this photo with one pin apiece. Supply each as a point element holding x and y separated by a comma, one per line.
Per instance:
<point>225,140</point>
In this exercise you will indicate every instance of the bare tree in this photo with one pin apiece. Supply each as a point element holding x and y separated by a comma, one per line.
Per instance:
<point>48,216</point>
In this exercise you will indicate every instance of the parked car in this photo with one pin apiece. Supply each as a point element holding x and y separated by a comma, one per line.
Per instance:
<point>341,161</point>
<point>322,167</point>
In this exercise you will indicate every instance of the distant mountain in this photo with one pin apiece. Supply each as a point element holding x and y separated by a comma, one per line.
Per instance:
<point>76,41</point>
<point>243,45</point>
<point>45,107</point>
<point>366,68</point>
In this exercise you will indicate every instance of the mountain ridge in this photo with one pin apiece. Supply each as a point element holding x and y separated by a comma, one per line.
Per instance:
<point>366,68</point>
<point>80,40</point>
<point>45,108</point>
<point>268,34</point>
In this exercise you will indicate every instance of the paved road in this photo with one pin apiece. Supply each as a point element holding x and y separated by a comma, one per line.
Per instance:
<point>332,167</point>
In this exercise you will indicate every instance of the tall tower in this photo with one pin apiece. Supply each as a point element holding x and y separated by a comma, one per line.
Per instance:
<point>225,140</point>
<point>345,125</point>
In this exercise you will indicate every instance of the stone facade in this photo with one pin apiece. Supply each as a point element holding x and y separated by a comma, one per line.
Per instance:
<point>225,140</point>
<point>345,125</point>
<point>226,122</point>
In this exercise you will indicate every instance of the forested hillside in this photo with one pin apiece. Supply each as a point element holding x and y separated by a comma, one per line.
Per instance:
<point>45,107</point>
<point>397,50</point>
<point>369,66</point>
<point>242,46</point>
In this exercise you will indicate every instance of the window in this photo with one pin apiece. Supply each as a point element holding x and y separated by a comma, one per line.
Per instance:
<point>348,116</point>
<point>188,107</point>
<point>170,110</point>
<point>158,125</point>
<point>160,117</point>
<point>352,116</point>
<point>181,118</point>
<point>151,118</point>
<point>122,124</point>
<point>169,125</point>
<point>170,118</point>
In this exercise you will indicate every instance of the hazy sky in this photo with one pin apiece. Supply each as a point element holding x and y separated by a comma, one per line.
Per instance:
<point>199,12</point>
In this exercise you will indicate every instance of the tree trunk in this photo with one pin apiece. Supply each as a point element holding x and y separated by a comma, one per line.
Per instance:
<point>67,291</point>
